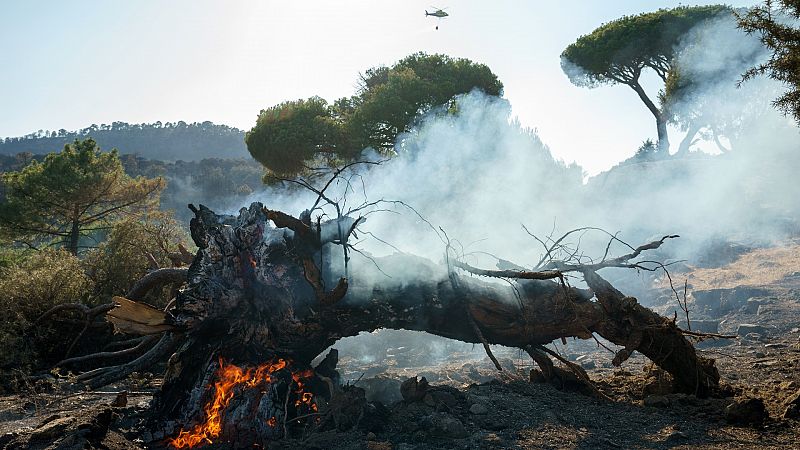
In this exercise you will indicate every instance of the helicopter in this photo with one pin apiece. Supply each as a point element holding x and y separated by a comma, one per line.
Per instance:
<point>439,13</point>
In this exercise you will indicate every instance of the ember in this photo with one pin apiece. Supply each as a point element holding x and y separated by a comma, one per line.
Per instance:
<point>229,377</point>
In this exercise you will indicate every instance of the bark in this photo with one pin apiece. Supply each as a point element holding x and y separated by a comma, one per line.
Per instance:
<point>74,237</point>
<point>721,147</point>
<point>688,140</point>
<point>661,120</point>
<point>256,293</point>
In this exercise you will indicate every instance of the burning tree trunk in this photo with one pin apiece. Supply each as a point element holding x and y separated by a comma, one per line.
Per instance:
<point>256,312</point>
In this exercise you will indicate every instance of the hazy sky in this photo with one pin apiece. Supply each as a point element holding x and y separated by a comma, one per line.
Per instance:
<point>68,64</point>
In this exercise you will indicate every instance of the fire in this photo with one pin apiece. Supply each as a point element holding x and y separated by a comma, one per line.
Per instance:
<point>228,378</point>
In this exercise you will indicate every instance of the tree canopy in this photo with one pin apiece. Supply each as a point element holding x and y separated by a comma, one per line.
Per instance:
<point>776,22</point>
<point>289,135</point>
<point>619,51</point>
<point>70,195</point>
<point>390,98</point>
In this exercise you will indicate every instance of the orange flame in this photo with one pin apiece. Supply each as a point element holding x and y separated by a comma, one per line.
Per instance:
<point>228,378</point>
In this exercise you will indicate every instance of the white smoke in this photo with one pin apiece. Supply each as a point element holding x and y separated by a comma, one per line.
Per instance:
<point>478,175</point>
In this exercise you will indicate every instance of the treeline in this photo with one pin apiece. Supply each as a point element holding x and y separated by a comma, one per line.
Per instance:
<point>169,141</point>
<point>216,182</point>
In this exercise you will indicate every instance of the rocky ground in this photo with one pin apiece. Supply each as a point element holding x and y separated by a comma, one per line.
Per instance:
<point>468,404</point>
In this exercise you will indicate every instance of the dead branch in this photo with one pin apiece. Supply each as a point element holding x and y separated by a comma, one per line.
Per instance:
<point>182,258</point>
<point>142,343</point>
<point>580,374</point>
<point>269,308</point>
<point>79,307</point>
<point>104,376</point>
<point>558,268</point>
<point>516,274</point>
<point>708,335</point>
<point>684,305</point>
<point>156,279</point>
<point>125,343</point>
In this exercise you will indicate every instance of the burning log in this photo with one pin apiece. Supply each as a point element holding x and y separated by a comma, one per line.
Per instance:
<point>256,311</point>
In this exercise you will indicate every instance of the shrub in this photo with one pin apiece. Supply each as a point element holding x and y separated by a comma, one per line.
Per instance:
<point>28,288</point>
<point>133,247</point>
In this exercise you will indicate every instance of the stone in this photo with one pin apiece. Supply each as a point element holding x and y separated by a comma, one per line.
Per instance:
<point>52,428</point>
<point>478,409</point>
<point>677,435</point>
<point>657,387</point>
<point>413,390</point>
<point>446,425</point>
<point>765,310</point>
<point>382,389</point>
<point>755,337</point>
<point>494,423</point>
<point>746,411</point>
<point>746,328</point>
<point>792,410</point>
<point>703,326</point>
<point>656,401</point>
<point>738,297</point>
<point>708,300</point>
<point>588,364</point>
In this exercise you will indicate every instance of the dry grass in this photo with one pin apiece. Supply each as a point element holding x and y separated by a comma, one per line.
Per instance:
<point>757,268</point>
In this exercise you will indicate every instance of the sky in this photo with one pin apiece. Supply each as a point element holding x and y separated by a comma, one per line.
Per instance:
<point>71,64</point>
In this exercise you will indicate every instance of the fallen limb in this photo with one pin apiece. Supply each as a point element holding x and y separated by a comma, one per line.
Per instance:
<point>155,279</point>
<point>261,305</point>
<point>104,376</point>
<point>142,344</point>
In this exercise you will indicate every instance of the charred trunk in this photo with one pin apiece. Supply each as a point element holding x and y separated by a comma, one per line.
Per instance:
<point>257,297</point>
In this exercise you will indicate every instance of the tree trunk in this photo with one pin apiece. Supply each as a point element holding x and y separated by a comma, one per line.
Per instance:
<point>74,237</point>
<point>688,140</point>
<point>256,298</point>
<point>661,121</point>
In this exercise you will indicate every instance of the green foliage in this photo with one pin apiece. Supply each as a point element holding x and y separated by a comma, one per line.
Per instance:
<point>390,99</point>
<point>617,52</point>
<point>134,246</point>
<point>288,136</point>
<point>33,282</point>
<point>700,88</point>
<point>648,151</point>
<point>776,22</point>
<point>28,288</point>
<point>71,195</point>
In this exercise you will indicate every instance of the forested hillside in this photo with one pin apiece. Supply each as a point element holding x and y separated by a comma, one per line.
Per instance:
<point>217,182</point>
<point>165,141</point>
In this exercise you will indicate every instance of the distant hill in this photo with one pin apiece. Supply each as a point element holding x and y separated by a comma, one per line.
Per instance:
<point>166,142</point>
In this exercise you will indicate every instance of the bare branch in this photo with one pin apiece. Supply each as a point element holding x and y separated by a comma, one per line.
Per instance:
<point>155,279</point>
<point>143,342</point>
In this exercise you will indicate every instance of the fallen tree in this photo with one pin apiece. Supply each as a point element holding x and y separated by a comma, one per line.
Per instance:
<point>262,300</point>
